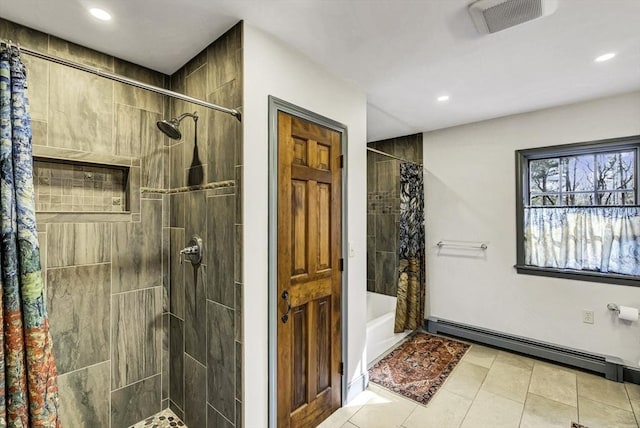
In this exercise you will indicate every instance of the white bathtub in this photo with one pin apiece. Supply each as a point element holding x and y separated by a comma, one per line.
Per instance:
<point>381,313</point>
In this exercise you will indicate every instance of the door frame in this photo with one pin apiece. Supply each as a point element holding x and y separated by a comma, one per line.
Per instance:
<point>277,105</point>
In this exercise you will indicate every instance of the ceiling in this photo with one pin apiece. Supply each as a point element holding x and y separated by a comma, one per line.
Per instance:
<point>402,53</point>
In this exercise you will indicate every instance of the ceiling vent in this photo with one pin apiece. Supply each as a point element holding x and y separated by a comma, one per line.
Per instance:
<point>491,16</point>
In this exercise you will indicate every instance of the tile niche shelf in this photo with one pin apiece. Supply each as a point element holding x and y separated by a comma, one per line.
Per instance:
<point>72,185</point>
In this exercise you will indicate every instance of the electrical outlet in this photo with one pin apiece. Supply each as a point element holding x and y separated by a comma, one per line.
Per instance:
<point>587,317</point>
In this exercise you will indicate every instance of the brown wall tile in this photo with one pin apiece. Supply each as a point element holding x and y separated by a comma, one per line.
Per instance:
<point>38,89</point>
<point>81,107</point>
<point>136,328</point>
<point>221,361</point>
<point>78,303</point>
<point>220,258</point>
<point>81,54</point>
<point>27,37</point>
<point>84,397</point>
<point>79,244</point>
<point>135,402</point>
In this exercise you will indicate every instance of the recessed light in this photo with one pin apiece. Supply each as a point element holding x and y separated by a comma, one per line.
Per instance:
<point>443,98</point>
<point>101,14</point>
<point>605,57</point>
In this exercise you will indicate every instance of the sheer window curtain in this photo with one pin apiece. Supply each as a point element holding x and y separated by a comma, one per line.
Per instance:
<point>601,239</point>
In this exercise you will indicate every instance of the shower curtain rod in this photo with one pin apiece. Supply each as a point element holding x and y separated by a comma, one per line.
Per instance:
<point>121,79</point>
<point>392,156</point>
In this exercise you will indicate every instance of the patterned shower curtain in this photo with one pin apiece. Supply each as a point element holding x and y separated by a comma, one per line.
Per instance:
<point>411,281</point>
<point>601,239</point>
<point>28,377</point>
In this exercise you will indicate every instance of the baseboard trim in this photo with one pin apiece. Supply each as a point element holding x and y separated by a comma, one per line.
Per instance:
<point>612,368</point>
<point>631,375</point>
<point>357,386</point>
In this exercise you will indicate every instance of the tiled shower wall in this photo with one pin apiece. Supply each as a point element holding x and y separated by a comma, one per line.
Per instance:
<point>383,210</point>
<point>206,301</point>
<point>106,273</point>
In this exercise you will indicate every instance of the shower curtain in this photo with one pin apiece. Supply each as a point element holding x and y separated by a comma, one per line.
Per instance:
<point>28,377</point>
<point>411,281</point>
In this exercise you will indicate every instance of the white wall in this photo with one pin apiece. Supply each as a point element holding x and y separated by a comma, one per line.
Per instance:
<point>270,68</point>
<point>470,195</point>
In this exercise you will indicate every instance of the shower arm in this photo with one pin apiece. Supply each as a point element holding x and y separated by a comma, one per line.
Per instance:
<point>193,115</point>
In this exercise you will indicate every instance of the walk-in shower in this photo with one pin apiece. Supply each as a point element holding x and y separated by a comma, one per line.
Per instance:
<point>145,340</point>
<point>170,127</point>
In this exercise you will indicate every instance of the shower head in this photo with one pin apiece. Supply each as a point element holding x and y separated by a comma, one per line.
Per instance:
<point>170,127</point>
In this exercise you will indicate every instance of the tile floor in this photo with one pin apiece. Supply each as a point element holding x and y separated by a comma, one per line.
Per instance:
<point>494,389</point>
<point>163,419</point>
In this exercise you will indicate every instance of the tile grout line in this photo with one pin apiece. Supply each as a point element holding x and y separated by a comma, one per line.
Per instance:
<point>578,401</point>
<point>169,270</point>
<point>633,410</point>
<point>76,266</point>
<point>165,286</point>
<point>178,407</point>
<point>223,417</point>
<point>630,404</point>
<point>120,293</point>
<point>84,368</point>
<point>526,397</point>
<point>361,407</point>
<point>478,391</point>
<point>138,381</point>
<point>111,269</point>
<point>220,304</point>
<point>402,425</point>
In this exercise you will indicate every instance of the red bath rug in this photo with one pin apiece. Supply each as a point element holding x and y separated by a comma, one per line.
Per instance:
<point>419,366</point>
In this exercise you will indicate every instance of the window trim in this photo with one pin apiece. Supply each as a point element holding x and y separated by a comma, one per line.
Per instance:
<point>522,189</point>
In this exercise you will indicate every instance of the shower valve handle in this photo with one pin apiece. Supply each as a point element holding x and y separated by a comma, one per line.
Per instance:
<point>193,252</point>
<point>285,297</point>
<point>194,249</point>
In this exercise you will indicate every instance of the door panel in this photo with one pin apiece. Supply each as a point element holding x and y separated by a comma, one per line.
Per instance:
<point>299,224</point>
<point>300,371</point>
<point>324,153</point>
<point>323,345</point>
<point>323,207</point>
<point>309,279</point>
<point>299,151</point>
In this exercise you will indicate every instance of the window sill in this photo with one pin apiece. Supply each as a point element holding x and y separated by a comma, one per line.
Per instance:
<point>607,278</point>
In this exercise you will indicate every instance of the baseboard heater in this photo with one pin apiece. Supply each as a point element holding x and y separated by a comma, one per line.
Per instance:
<point>612,368</point>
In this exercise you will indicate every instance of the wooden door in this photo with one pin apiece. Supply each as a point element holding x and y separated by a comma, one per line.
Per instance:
<point>309,272</point>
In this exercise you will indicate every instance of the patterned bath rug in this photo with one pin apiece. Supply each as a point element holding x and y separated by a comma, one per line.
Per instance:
<point>419,366</point>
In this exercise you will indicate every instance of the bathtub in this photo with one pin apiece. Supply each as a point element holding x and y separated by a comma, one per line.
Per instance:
<point>381,313</point>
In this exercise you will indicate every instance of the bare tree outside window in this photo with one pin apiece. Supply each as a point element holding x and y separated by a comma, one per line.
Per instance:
<point>583,180</point>
<point>544,181</point>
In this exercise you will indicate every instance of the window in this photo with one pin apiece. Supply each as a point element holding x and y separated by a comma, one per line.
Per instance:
<point>577,211</point>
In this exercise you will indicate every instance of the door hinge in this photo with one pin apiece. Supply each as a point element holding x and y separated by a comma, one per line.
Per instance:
<point>342,368</point>
<point>341,161</point>
<point>341,265</point>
